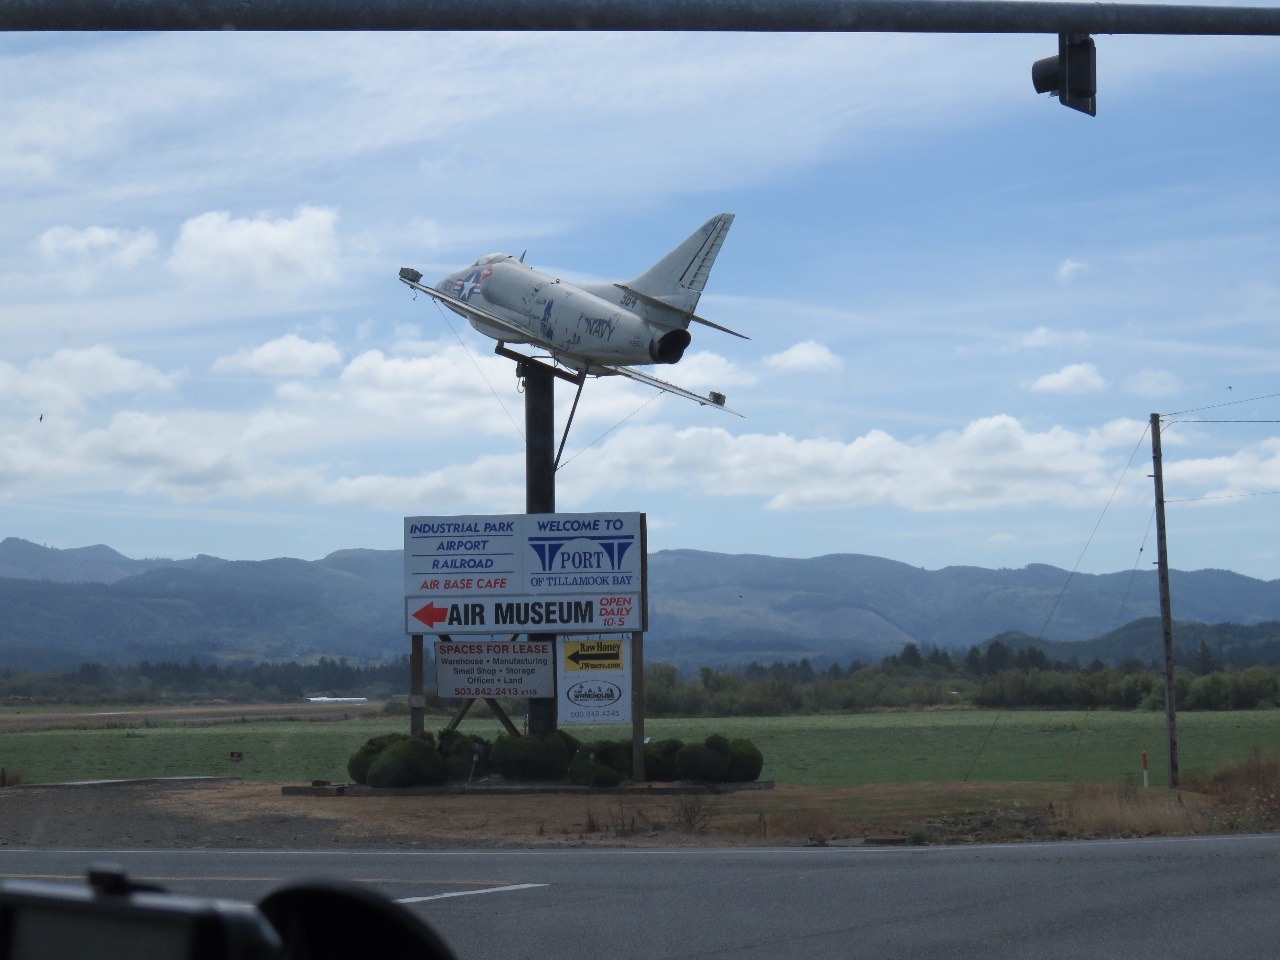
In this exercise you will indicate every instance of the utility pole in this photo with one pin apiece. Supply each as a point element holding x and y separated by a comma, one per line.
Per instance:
<point>540,494</point>
<point>1166,616</point>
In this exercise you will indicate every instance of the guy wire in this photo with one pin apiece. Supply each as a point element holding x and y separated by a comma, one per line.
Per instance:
<point>609,431</point>
<point>974,762</point>
<point>1080,559</point>
<point>475,363</point>
<point>1134,572</point>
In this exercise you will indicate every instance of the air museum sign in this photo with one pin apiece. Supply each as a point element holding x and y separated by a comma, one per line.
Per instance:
<point>561,573</point>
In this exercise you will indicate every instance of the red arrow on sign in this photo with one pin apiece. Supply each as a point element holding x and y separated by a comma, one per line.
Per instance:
<point>431,615</point>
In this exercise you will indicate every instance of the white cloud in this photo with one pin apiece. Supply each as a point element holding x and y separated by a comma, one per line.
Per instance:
<point>258,254</point>
<point>1069,269</point>
<point>83,258</point>
<point>431,391</point>
<point>808,355</point>
<point>200,456</point>
<point>1043,337</point>
<point>1153,384</point>
<point>64,381</point>
<point>993,463</point>
<point>703,369</point>
<point>287,356</point>
<point>102,245</point>
<point>1254,469</point>
<point>1074,378</point>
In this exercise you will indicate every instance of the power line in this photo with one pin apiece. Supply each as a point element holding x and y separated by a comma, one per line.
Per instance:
<point>1223,496</point>
<point>1227,403</point>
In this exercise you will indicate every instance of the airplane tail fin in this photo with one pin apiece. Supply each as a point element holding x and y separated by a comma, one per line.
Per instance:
<point>679,278</point>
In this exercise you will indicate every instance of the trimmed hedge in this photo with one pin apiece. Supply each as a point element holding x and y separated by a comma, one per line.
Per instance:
<point>413,762</point>
<point>460,754</point>
<point>358,765</point>
<point>611,765</point>
<point>417,761</point>
<point>534,758</point>
<point>660,760</point>
<point>701,764</point>
<point>745,762</point>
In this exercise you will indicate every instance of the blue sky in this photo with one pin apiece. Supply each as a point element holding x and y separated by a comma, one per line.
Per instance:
<point>964,300</point>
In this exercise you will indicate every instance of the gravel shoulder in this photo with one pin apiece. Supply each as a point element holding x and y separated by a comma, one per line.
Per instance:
<point>233,814</point>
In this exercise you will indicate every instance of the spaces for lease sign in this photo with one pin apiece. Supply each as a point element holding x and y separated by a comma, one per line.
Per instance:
<point>494,668</point>
<point>594,681</point>
<point>562,573</point>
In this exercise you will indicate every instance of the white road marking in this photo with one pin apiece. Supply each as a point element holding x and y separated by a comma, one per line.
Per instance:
<point>472,893</point>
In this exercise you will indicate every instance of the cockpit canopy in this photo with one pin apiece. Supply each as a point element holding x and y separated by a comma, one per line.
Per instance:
<point>492,258</point>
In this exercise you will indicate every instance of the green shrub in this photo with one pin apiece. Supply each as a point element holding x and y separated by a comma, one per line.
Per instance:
<point>717,742</point>
<point>592,772</point>
<point>413,762</point>
<point>534,758</point>
<point>701,764</point>
<point>745,762</point>
<point>616,755</point>
<point>603,764</point>
<point>561,747</point>
<point>459,752</point>
<point>518,758</point>
<point>358,765</point>
<point>660,760</point>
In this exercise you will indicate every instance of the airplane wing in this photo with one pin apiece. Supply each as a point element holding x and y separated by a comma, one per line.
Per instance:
<point>412,278</point>
<point>711,400</point>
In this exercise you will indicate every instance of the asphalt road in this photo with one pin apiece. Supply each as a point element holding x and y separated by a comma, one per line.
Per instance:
<point>1188,898</point>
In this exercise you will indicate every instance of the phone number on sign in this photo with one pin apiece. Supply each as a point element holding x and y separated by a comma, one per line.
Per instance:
<point>486,692</point>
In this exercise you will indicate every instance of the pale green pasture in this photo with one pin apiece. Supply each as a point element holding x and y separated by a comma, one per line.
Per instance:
<point>815,750</point>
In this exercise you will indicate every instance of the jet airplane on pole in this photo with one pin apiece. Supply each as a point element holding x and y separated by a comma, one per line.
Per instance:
<point>594,329</point>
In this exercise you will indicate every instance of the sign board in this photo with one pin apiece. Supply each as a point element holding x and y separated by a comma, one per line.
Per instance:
<point>491,668</point>
<point>561,573</point>
<point>593,678</point>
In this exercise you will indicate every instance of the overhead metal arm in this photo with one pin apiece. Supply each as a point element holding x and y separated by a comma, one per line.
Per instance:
<point>775,16</point>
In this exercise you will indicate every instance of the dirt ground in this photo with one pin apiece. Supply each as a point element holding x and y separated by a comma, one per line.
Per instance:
<point>235,814</point>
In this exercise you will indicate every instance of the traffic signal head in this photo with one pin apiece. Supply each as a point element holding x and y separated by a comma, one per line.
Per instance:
<point>1071,76</point>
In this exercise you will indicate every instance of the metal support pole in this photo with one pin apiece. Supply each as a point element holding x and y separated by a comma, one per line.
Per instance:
<point>417,699</point>
<point>637,707</point>
<point>1166,615</point>
<point>540,495</point>
<point>774,16</point>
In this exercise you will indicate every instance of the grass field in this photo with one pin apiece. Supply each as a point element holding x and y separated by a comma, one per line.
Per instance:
<point>830,750</point>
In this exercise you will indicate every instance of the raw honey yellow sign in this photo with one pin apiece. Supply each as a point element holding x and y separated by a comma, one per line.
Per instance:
<point>591,655</point>
<point>594,681</point>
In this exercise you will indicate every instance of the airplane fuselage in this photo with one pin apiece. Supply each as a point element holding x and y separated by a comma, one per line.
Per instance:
<point>575,322</point>
<point>598,329</point>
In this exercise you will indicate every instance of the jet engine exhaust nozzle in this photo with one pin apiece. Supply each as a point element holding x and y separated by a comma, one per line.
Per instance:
<point>670,347</point>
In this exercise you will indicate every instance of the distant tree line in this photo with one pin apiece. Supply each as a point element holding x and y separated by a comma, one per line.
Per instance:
<point>996,675</point>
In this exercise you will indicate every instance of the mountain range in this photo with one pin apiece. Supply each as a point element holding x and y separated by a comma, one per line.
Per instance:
<point>64,607</point>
